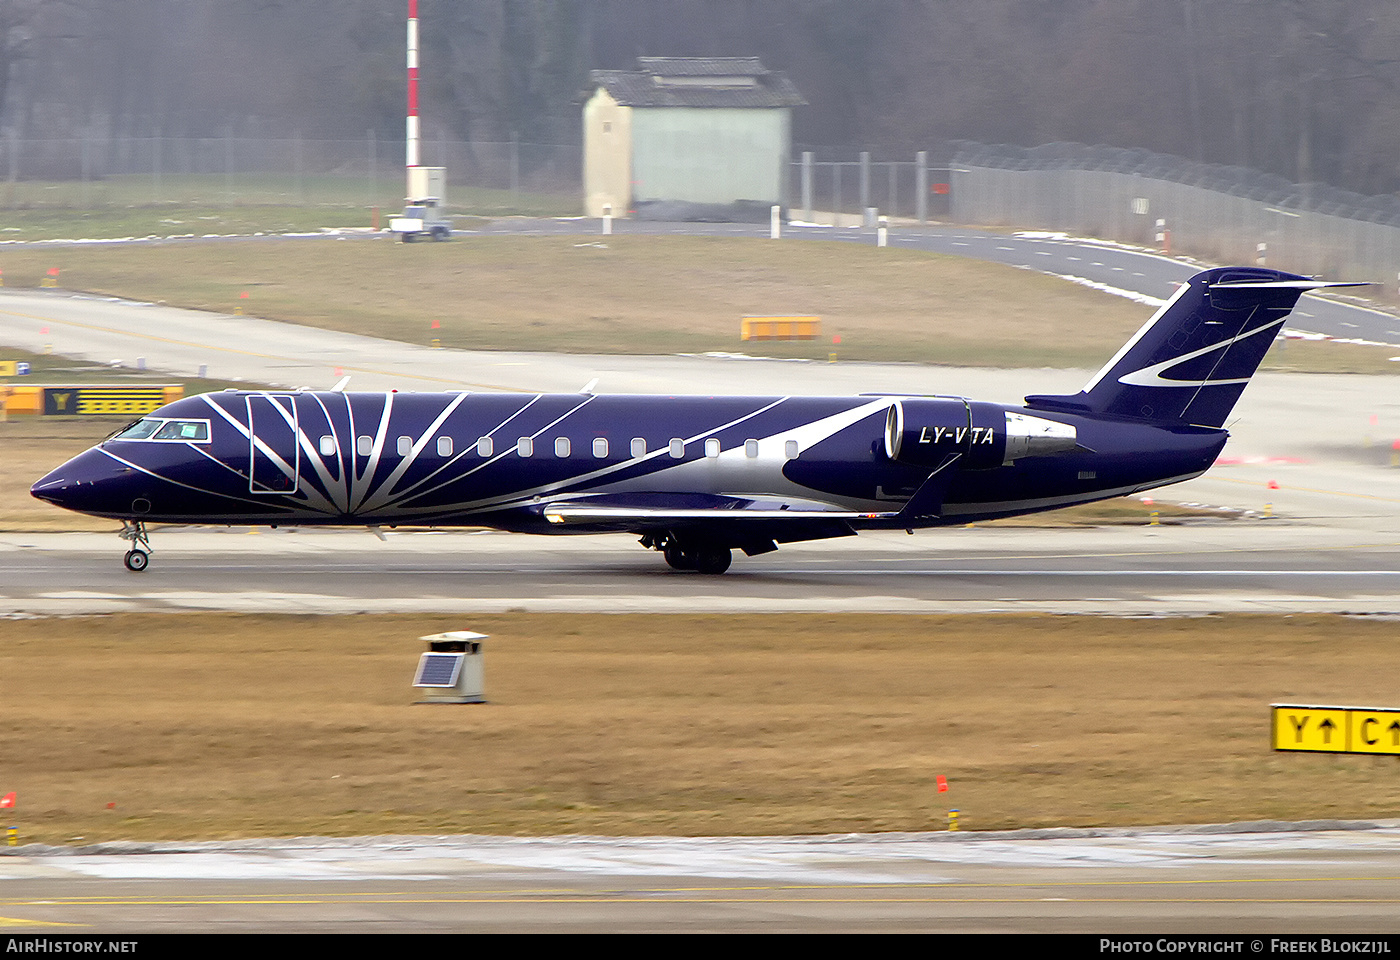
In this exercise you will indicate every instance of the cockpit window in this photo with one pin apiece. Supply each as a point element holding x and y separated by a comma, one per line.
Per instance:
<point>179,431</point>
<point>183,430</point>
<point>139,430</point>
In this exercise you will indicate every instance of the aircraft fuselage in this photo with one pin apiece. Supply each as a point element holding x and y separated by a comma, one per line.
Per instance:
<point>501,460</point>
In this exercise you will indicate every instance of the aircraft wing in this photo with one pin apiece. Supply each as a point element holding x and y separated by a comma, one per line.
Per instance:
<point>755,526</point>
<point>565,513</point>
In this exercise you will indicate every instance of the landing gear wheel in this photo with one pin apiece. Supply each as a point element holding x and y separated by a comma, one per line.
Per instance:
<point>134,532</point>
<point>677,558</point>
<point>713,561</point>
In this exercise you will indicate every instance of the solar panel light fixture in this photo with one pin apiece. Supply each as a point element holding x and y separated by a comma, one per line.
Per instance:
<point>453,670</point>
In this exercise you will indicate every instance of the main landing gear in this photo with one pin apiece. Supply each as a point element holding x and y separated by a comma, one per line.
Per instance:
<point>691,557</point>
<point>139,555</point>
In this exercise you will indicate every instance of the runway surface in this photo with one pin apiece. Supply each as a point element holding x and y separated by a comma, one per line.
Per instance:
<point>1304,451</point>
<point>1259,566</point>
<point>1270,878</point>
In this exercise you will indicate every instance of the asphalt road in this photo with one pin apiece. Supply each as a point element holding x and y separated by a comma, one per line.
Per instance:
<point>1158,882</point>
<point>1201,567</point>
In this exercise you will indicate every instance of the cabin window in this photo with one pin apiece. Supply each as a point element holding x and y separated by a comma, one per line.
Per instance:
<point>790,449</point>
<point>183,430</point>
<point>639,448</point>
<point>405,446</point>
<point>525,447</point>
<point>484,447</point>
<point>600,448</point>
<point>751,449</point>
<point>140,430</point>
<point>712,447</point>
<point>444,446</point>
<point>561,446</point>
<point>326,445</point>
<point>364,446</point>
<point>677,448</point>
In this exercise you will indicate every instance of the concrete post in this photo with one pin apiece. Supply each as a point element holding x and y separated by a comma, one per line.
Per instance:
<point>864,180</point>
<point>921,186</point>
<point>836,194</point>
<point>515,168</point>
<point>807,185</point>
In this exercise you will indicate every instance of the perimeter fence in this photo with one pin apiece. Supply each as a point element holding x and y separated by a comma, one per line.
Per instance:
<point>827,183</point>
<point>96,172</point>
<point>1220,213</point>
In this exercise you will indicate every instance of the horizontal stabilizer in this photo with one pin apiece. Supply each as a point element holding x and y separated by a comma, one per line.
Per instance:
<point>1303,284</point>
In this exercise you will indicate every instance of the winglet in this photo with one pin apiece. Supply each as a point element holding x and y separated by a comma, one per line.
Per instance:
<point>340,387</point>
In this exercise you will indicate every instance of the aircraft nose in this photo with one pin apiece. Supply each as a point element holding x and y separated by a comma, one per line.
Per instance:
<point>79,484</point>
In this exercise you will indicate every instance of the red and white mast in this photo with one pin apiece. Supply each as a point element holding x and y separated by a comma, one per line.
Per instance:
<point>412,152</point>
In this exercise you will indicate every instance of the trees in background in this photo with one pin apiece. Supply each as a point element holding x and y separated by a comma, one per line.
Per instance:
<point>1307,89</point>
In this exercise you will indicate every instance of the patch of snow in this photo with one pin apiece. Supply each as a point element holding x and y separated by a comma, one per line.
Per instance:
<point>1132,295</point>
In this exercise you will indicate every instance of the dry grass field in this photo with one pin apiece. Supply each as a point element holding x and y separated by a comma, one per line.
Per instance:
<point>638,295</point>
<point>224,725</point>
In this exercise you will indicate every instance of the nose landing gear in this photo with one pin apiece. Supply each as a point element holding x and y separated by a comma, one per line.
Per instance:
<point>138,556</point>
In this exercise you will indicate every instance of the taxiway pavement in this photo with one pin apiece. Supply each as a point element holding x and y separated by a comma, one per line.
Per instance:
<point>1264,566</point>
<point>1281,878</point>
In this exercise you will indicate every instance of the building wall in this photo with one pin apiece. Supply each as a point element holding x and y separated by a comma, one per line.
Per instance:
<point>709,155</point>
<point>607,155</point>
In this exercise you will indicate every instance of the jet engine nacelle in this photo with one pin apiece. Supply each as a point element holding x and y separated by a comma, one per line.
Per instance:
<point>926,432</point>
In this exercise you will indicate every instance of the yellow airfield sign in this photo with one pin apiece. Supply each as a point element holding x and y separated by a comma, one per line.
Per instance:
<point>1336,729</point>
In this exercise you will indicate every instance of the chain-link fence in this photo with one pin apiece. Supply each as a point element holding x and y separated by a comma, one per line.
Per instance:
<point>822,183</point>
<point>87,173</point>
<point>1226,214</point>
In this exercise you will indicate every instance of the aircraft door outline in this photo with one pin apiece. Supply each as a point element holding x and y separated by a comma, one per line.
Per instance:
<point>274,447</point>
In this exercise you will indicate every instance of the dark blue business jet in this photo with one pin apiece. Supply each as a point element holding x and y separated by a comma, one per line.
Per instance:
<point>695,477</point>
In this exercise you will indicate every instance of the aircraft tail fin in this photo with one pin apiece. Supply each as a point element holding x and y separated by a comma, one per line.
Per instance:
<point>1191,361</point>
